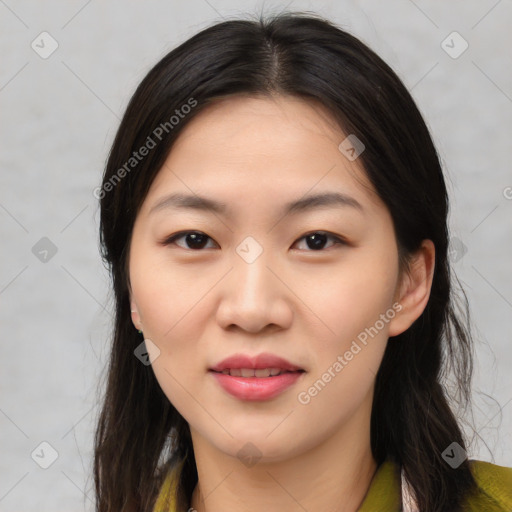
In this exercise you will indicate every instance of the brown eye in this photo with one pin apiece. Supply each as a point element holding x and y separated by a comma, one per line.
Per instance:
<point>317,240</point>
<point>194,240</point>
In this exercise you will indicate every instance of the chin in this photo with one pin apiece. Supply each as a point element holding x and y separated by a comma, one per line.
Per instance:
<point>258,447</point>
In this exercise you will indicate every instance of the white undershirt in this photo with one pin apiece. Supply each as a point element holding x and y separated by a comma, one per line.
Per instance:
<point>408,502</point>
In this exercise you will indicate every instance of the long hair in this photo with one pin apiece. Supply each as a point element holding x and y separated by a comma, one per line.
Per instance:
<point>140,436</point>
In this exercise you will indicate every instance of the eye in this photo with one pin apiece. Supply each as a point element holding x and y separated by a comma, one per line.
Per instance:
<point>317,240</point>
<point>196,240</point>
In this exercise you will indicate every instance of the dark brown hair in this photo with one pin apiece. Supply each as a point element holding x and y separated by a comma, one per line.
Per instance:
<point>140,435</point>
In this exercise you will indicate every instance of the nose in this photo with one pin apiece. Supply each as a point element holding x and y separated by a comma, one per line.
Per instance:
<point>254,297</point>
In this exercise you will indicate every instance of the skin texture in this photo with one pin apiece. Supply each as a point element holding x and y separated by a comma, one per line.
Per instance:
<point>306,305</point>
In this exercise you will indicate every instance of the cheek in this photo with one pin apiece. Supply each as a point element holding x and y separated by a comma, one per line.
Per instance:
<point>167,293</point>
<point>175,325</point>
<point>353,297</point>
<point>173,317</point>
<point>345,368</point>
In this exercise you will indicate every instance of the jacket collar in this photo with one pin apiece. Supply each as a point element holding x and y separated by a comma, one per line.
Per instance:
<point>384,493</point>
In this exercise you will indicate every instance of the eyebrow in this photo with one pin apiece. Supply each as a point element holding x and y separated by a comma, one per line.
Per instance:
<point>306,203</point>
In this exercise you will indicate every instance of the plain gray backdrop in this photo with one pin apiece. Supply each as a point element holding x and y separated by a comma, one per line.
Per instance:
<point>59,113</point>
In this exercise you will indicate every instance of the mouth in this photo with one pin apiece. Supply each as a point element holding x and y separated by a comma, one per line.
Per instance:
<point>256,378</point>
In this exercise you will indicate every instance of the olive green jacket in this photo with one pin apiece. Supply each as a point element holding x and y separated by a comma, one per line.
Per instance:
<point>384,493</point>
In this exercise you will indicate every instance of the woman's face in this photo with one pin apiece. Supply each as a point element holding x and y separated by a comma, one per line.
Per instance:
<point>315,284</point>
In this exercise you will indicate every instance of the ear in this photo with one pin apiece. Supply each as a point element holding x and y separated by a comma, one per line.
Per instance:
<point>135,314</point>
<point>413,290</point>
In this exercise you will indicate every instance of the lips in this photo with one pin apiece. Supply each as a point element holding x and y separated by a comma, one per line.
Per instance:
<point>256,378</point>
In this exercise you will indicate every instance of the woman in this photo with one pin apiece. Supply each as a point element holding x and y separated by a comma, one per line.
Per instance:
<point>274,216</point>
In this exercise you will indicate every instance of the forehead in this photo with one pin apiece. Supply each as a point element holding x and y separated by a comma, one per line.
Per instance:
<point>234,118</point>
<point>274,146</point>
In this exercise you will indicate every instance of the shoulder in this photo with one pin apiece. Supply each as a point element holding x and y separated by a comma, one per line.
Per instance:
<point>494,487</point>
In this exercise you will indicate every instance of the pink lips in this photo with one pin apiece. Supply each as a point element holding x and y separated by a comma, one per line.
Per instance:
<point>256,388</point>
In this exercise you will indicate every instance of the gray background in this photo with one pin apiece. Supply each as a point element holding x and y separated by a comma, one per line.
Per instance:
<point>59,117</point>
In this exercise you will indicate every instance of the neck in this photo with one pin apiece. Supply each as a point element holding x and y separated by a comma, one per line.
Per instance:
<point>334,475</point>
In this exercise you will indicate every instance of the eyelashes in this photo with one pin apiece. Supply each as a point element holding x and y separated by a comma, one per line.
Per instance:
<point>199,240</point>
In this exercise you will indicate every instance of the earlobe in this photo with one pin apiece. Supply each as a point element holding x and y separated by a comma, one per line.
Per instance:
<point>135,315</point>
<point>414,288</point>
